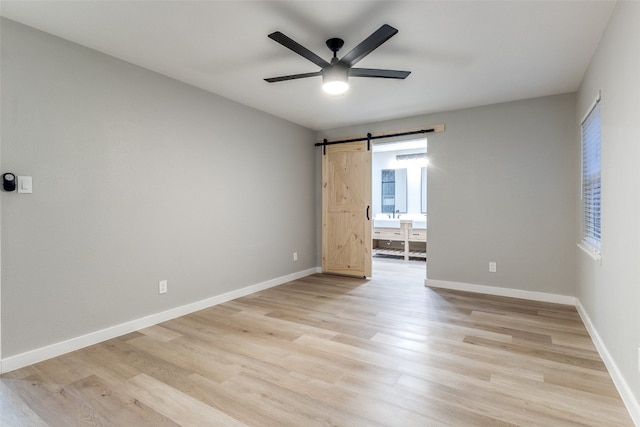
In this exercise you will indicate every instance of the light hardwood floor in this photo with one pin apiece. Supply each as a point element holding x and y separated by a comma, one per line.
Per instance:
<point>329,350</point>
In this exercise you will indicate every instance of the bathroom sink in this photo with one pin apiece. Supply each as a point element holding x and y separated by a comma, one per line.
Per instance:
<point>419,224</point>
<point>387,223</point>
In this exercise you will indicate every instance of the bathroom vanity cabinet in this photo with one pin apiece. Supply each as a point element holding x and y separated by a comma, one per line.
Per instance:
<point>404,241</point>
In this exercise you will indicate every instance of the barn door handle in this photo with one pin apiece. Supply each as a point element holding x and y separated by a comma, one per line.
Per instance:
<point>368,219</point>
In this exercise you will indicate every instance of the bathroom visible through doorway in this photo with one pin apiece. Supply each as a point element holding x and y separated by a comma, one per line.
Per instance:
<point>399,207</point>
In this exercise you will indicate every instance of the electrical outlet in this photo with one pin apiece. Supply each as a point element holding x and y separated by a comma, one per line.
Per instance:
<point>295,256</point>
<point>492,267</point>
<point>162,287</point>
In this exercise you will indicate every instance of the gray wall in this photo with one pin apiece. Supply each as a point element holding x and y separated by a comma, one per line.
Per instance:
<point>610,292</point>
<point>502,186</point>
<point>136,178</point>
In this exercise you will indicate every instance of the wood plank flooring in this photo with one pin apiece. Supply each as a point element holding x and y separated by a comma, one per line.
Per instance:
<point>333,351</point>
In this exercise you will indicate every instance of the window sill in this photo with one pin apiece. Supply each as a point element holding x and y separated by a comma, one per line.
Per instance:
<point>591,251</point>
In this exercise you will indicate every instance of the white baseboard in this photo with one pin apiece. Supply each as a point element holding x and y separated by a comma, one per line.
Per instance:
<point>504,292</point>
<point>623,387</point>
<point>38,355</point>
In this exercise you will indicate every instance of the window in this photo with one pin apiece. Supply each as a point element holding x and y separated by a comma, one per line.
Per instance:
<point>388,190</point>
<point>591,207</point>
<point>394,190</point>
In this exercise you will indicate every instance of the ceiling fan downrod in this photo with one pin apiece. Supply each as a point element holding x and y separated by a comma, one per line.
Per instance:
<point>334,45</point>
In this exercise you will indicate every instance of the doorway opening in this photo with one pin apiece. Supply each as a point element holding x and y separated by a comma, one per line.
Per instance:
<point>399,208</point>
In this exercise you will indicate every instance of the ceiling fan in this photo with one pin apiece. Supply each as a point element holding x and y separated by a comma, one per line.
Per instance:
<point>335,74</point>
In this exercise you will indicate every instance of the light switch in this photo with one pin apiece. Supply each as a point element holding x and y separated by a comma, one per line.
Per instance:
<point>25,184</point>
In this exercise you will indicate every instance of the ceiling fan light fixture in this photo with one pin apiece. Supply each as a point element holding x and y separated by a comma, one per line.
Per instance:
<point>335,80</point>
<point>335,87</point>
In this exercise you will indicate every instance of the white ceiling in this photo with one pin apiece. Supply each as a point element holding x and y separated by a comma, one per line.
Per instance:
<point>460,53</point>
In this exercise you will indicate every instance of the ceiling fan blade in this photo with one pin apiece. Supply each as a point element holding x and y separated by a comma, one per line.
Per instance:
<point>293,77</point>
<point>298,48</point>
<point>369,44</point>
<point>373,72</point>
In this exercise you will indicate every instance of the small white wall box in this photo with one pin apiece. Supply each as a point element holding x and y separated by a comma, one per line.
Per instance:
<point>25,184</point>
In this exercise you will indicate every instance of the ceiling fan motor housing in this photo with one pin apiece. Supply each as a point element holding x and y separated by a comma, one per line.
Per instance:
<point>335,72</point>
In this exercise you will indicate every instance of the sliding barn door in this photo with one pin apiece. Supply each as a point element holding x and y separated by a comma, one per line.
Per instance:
<point>346,209</point>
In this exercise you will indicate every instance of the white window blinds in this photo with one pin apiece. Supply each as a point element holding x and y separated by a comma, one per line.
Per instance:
<point>591,177</point>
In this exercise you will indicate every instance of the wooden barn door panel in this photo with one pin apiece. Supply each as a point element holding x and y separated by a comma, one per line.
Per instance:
<point>346,209</point>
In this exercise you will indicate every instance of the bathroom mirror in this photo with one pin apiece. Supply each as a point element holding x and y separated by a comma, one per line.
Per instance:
<point>423,190</point>
<point>394,190</point>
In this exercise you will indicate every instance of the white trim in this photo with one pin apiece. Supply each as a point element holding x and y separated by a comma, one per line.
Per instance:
<point>43,353</point>
<point>504,292</point>
<point>591,251</point>
<point>618,379</point>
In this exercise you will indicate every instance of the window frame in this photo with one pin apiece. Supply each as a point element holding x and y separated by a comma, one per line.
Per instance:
<point>591,211</point>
